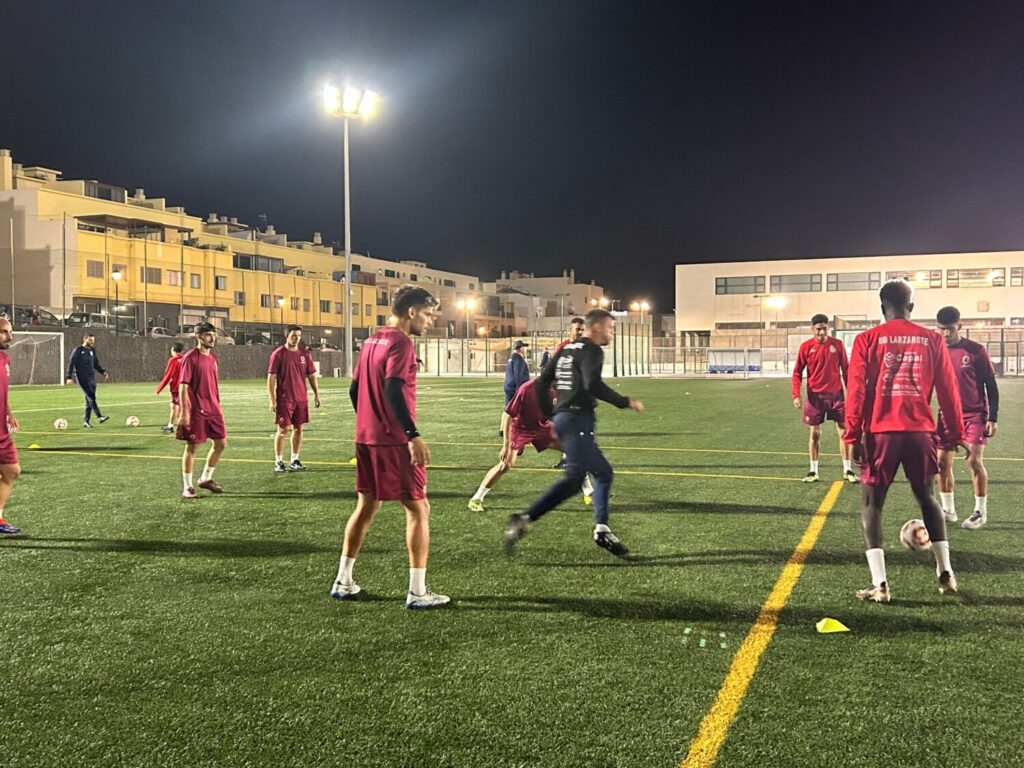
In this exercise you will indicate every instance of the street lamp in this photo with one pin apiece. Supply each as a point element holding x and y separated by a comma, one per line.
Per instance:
<point>641,306</point>
<point>348,104</point>
<point>116,277</point>
<point>466,305</point>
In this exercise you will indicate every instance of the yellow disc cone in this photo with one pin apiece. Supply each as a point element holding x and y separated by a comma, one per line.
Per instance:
<point>34,447</point>
<point>827,626</point>
<point>353,460</point>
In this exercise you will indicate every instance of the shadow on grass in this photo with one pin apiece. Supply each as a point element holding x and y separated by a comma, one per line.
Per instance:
<point>347,494</point>
<point>605,435</point>
<point>208,548</point>
<point>678,507</point>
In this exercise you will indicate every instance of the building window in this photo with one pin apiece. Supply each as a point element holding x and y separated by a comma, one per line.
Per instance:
<point>279,301</point>
<point>853,281</point>
<point>919,278</point>
<point>451,283</point>
<point>174,277</point>
<point>220,282</point>
<point>240,299</point>
<point>369,309</point>
<point>149,275</point>
<point>265,300</point>
<point>94,269</point>
<point>413,277</point>
<point>337,307</point>
<point>976,278</point>
<point>305,305</point>
<point>195,281</point>
<point>241,261</point>
<point>380,319</point>
<point>389,273</point>
<point>325,305</point>
<point>1017,276</point>
<point>808,283</point>
<point>295,303</point>
<point>730,285</point>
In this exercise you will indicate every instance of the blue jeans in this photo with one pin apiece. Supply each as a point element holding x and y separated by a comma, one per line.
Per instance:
<point>576,434</point>
<point>91,406</point>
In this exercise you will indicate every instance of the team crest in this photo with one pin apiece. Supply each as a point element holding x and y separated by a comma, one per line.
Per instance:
<point>965,361</point>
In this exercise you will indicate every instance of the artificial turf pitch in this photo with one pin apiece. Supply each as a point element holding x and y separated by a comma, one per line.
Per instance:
<point>138,628</point>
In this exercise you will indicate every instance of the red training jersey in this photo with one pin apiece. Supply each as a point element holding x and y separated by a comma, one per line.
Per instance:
<point>973,367</point>
<point>525,411</point>
<point>5,381</point>
<point>894,369</point>
<point>387,354</point>
<point>200,372</point>
<point>171,374</point>
<point>826,365</point>
<point>292,369</point>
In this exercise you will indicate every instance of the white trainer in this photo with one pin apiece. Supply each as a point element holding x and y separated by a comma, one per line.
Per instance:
<point>341,591</point>
<point>975,521</point>
<point>428,599</point>
<point>950,516</point>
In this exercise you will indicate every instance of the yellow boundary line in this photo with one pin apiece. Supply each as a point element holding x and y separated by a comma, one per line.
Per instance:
<point>716,723</point>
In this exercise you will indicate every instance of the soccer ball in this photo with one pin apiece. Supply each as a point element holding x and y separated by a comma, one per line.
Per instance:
<point>132,421</point>
<point>60,424</point>
<point>913,535</point>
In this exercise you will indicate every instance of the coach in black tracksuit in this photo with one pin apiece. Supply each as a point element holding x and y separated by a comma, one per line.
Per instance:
<point>574,373</point>
<point>82,366</point>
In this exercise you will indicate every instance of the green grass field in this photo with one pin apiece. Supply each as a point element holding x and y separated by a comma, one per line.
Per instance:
<point>138,628</point>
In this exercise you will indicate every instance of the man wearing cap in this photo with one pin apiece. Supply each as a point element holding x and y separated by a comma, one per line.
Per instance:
<point>517,372</point>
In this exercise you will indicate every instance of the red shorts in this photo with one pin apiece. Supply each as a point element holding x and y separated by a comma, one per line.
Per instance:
<point>175,400</point>
<point>886,451</point>
<point>386,473</point>
<point>974,430</point>
<point>203,428</point>
<point>819,407</point>
<point>292,413</point>
<point>540,440</point>
<point>8,453</point>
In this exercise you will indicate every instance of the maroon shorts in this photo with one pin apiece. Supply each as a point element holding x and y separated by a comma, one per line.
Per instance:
<point>974,430</point>
<point>886,451</point>
<point>291,413</point>
<point>8,453</point>
<point>175,400</point>
<point>540,440</point>
<point>819,407</point>
<point>203,428</point>
<point>385,472</point>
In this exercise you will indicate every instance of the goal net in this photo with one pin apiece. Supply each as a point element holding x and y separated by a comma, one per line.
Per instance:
<point>37,358</point>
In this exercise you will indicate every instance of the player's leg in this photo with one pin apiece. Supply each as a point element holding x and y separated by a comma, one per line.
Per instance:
<point>872,502</point>
<point>813,451</point>
<point>494,474</point>
<point>279,440</point>
<point>218,444</point>
<point>8,474</point>
<point>934,521</point>
<point>95,404</point>
<point>356,529</point>
<point>600,469</point>
<point>296,465</point>
<point>172,418</point>
<point>846,454</point>
<point>946,484</point>
<point>88,393</point>
<point>188,462</point>
<point>417,539</point>
<point>979,479</point>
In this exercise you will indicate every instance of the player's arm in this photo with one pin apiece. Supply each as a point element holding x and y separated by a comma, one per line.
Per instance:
<point>992,394</point>
<point>70,375</point>
<point>272,390</point>
<point>353,393</point>
<point>947,391</point>
<point>590,371</point>
<point>506,443</point>
<point>844,366</point>
<point>316,389</point>
<point>12,422</point>
<point>798,376</point>
<point>393,393</point>
<point>97,366</point>
<point>185,405</point>
<point>543,384</point>
<point>168,376</point>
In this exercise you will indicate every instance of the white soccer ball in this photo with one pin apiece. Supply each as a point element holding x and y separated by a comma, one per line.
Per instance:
<point>60,424</point>
<point>913,535</point>
<point>132,421</point>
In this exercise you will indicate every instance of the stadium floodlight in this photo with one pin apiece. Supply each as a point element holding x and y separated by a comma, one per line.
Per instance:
<point>775,302</point>
<point>350,103</point>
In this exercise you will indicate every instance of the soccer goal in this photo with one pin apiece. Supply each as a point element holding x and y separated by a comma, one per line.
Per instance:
<point>37,358</point>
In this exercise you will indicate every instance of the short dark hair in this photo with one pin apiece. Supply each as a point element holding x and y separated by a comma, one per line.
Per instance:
<point>576,320</point>
<point>411,296</point>
<point>897,293</point>
<point>819,318</point>
<point>597,315</point>
<point>88,335</point>
<point>293,328</point>
<point>204,327</point>
<point>178,346</point>
<point>948,316</point>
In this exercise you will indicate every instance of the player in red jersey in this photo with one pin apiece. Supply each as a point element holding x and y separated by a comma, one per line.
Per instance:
<point>894,368</point>
<point>824,358</point>
<point>523,423</point>
<point>291,365</point>
<point>391,455</point>
<point>201,416</point>
<point>10,469</point>
<point>979,397</point>
<point>170,380</point>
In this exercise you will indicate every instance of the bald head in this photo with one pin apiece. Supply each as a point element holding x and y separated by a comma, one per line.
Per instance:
<point>5,332</point>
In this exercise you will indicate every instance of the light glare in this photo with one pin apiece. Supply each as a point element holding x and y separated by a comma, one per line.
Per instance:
<point>332,99</point>
<point>350,100</point>
<point>368,104</point>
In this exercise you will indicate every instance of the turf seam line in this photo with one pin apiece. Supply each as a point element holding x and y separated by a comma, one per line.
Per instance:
<point>714,728</point>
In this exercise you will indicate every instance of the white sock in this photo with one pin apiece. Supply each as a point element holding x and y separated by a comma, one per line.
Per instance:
<point>186,478</point>
<point>876,562</point>
<point>941,550</point>
<point>207,474</point>
<point>814,467</point>
<point>600,528</point>
<point>847,465</point>
<point>588,486</point>
<point>345,570</point>
<point>948,504</point>
<point>481,492</point>
<point>981,504</point>
<point>417,580</point>
<point>170,423</point>
<point>295,457</point>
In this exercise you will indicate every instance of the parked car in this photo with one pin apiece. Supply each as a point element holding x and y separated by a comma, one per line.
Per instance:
<point>96,320</point>
<point>187,331</point>
<point>30,317</point>
<point>159,332</point>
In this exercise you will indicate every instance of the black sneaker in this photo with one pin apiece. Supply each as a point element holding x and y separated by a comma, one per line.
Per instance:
<point>103,419</point>
<point>167,429</point>
<point>279,466</point>
<point>560,464</point>
<point>87,425</point>
<point>515,528</point>
<point>296,466</point>
<point>607,540</point>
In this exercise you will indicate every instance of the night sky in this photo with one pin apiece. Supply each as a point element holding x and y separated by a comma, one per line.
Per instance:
<point>616,138</point>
